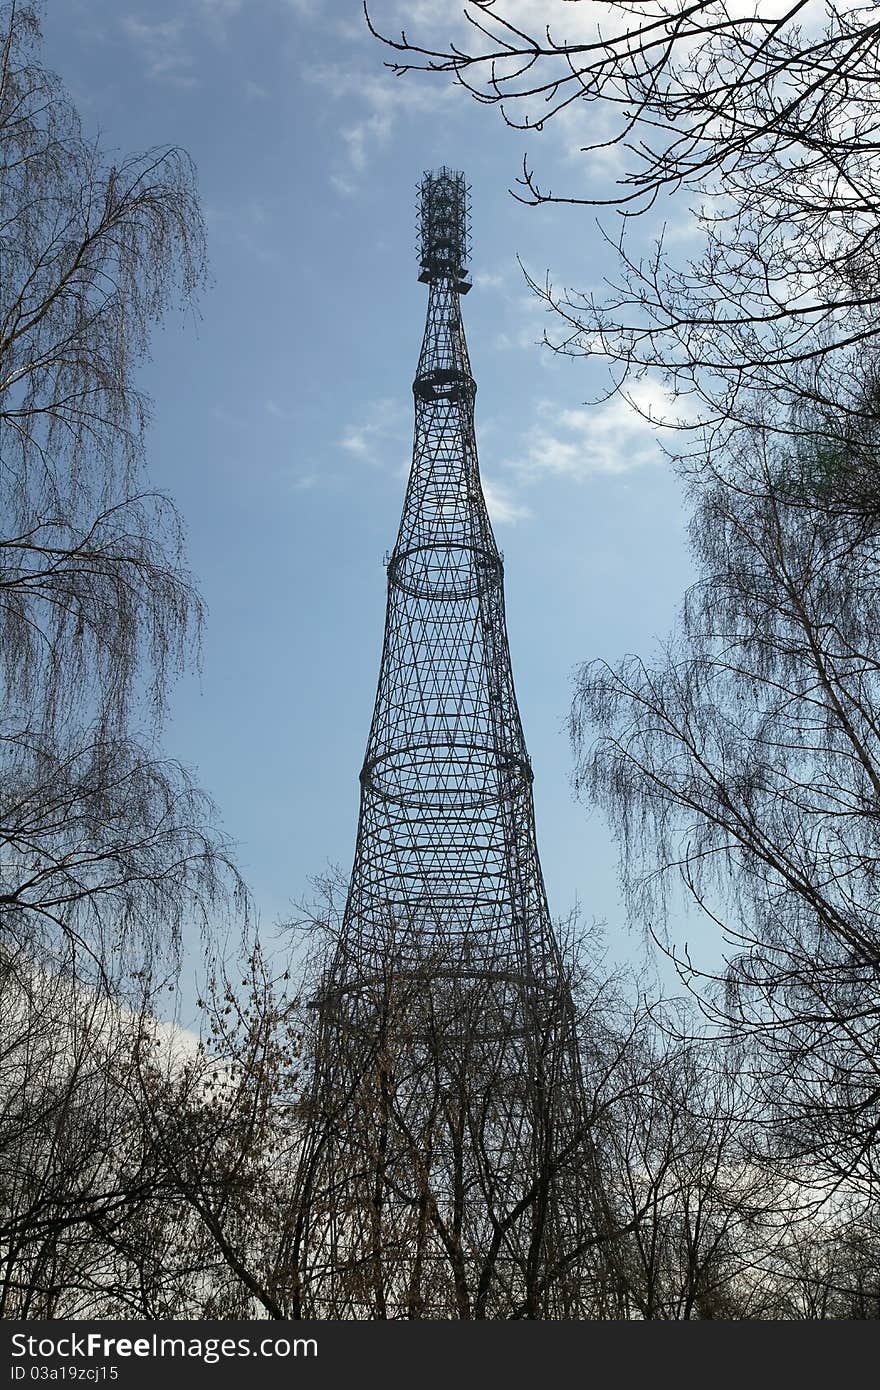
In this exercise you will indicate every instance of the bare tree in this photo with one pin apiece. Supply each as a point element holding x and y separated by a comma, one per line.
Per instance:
<point>744,764</point>
<point>106,852</point>
<point>70,1166</point>
<point>702,1217</point>
<point>145,1171</point>
<point>416,1194</point>
<point>407,1161</point>
<point>830,1269</point>
<point>101,839</point>
<point>222,1133</point>
<point>92,255</point>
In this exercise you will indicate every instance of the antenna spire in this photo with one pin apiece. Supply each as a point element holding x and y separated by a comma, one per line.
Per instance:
<point>444,226</point>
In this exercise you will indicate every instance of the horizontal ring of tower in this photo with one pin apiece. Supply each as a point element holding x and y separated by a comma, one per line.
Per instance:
<point>540,1002</point>
<point>444,772</point>
<point>531,986</point>
<point>444,384</point>
<point>413,572</point>
<point>435,275</point>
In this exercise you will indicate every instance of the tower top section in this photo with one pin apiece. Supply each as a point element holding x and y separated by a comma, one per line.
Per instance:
<point>444,225</point>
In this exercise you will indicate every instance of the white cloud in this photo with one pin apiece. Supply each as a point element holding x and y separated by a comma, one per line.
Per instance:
<point>568,22</point>
<point>527,316</point>
<point>364,135</point>
<point>161,48</point>
<point>254,91</point>
<point>503,507</point>
<point>346,186</point>
<point>379,98</point>
<point>177,1044</point>
<point>613,438</point>
<point>304,9</point>
<point>163,43</point>
<point>352,30</point>
<point>486,280</point>
<point>383,434</point>
<point>380,101</point>
<point>215,9</point>
<point>522,338</point>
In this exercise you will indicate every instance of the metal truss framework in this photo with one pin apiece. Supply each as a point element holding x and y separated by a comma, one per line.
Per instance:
<point>446,1164</point>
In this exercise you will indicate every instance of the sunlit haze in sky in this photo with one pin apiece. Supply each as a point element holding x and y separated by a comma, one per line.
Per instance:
<point>283,414</point>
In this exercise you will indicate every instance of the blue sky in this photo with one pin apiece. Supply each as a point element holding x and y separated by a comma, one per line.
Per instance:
<point>283,415</point>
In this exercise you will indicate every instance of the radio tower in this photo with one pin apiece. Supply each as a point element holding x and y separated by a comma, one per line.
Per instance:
<point>445,1171</point>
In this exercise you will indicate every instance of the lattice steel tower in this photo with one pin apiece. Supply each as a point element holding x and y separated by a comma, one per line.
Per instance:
<point>444,1170</point>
